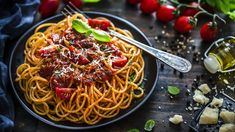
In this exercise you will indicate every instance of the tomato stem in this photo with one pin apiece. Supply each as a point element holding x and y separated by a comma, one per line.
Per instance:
<point>201,10</point>
<point>182,4</point>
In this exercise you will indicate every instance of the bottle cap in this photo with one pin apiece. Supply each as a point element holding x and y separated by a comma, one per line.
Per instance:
<point>212,64</point>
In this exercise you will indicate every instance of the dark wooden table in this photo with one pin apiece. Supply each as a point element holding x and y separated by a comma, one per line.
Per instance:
<point>160,106</point>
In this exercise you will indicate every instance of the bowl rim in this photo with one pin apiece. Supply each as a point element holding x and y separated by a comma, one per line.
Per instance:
<point>49,122</point>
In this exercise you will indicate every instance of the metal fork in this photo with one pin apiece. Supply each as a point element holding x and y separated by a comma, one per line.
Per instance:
<point>173,61</point>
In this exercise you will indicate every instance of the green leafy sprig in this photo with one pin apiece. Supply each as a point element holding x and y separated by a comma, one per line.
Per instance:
<point>84,28</point>
<point>225,6</point>
<point>173,90</point>
<point>149,125</point>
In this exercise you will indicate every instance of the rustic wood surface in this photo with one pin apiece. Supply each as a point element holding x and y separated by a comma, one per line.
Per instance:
<point>160,106</point>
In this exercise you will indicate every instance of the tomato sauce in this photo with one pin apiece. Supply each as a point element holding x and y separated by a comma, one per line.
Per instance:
<point>84,52</point>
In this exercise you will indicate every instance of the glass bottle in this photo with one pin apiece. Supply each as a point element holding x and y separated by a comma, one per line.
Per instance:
<point>220,56</point>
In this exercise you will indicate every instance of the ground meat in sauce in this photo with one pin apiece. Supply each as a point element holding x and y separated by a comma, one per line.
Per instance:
<point>46,71</point>
<point>83,51</point>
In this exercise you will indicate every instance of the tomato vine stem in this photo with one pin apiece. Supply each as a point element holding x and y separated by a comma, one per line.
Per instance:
<point>201,10</point>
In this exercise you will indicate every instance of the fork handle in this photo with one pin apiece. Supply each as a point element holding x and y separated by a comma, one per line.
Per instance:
<point>176,62</point>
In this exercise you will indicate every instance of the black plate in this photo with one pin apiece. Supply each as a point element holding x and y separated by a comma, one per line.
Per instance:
<point>151,72</point>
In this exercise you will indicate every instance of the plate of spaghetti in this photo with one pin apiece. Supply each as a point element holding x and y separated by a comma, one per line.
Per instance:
<point>70,73</point>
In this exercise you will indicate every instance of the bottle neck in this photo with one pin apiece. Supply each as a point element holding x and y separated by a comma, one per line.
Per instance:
<point>212,64</point>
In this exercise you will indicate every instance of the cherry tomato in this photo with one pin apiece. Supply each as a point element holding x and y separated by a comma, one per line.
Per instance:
<point>209,31</point>
<point>184,24</point>
<point>71,48</point>
<point>133,2</point>
<point>79,59</point>
<point>166,13</point>
<point>45,51</point>
<point>83,60</point>
<point>77,3</point>
<point>149,6</point>
<point>190,11</point>
<point>64,93</point>
<point>119,61</point>
<point>101,24</point>
<point>48,7</point>
<point>116,51</point>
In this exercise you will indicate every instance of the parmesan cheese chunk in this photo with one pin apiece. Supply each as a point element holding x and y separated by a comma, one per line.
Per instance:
<point>200,98</point>
<point>176,119</point>
<point>204,88</point>
<point>209,116</point>
<point>227,128</point>
<point>217,102</point>
<point>227,116</point>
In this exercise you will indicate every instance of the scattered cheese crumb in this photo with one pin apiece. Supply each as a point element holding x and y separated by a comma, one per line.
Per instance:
<point>217,102</point>
<point>176,119</point>
<point>227,116</point>
<point>226,81</point>
<point>227,128</point>
<point>231,88</point>
<point>209,116</point>
<point>204,88</point>
<point>190,108</point>
<point>196,108</point>
<point>200,98</point>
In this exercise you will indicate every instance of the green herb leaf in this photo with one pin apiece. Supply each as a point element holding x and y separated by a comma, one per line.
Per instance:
<point>83,27</point>
<point>133,130</point>
<point>132,77</point>
<point>231,15</point>
<point>142,85</point>
<point>130,62</point>
<point>173,90</point>
<point>59,49</point>
<point>101,35</point>
<point>149,125</point>
<point>225,6</point>
<point>88,33</point>
<point>71,42</point>
<point>91,1</point>
<point>80,26</point>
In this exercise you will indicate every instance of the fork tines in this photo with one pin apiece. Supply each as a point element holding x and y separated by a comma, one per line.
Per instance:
<point>71,9</point>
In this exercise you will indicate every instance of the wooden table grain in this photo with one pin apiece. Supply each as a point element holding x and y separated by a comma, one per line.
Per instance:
<point>160,106</point>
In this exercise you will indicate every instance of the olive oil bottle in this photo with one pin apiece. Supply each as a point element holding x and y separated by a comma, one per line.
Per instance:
<point>221,57</point>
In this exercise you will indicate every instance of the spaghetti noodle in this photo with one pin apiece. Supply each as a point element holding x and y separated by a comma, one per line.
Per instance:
<point>68,76</point>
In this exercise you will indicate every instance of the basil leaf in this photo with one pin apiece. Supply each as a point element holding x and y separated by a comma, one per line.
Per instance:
<point>83,27</point>
<point>88,33</point>
<point>80,26</point>
<point>211,3</point>
<point>149,125</point>
<point>133,130</point>
<point>232,5</point>
<point>173,90</point>
<point>222,5</point>
<point>101,35</point>
<point>231,15</point>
